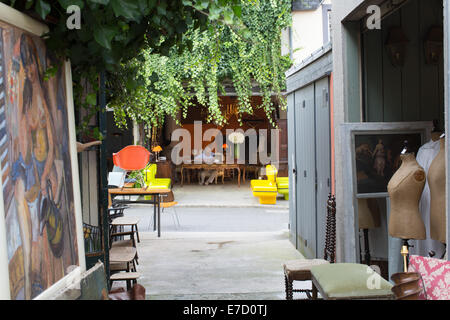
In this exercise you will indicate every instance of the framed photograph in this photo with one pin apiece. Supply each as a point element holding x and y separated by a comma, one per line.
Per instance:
<point>41,224</point>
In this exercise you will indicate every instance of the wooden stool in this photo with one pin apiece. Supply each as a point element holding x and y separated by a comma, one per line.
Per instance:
<point>127,221</point>
<point>123,255</point>
<point>300,270</point>
<point>129,277</point>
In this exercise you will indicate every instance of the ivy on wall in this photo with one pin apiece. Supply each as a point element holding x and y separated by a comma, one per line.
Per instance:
<point>194,70</point>
<point>115,31</point>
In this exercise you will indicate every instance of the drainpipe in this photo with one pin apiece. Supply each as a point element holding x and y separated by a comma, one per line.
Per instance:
<point>291,49</point>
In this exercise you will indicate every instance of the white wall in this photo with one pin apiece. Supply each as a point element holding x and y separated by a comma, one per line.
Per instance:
<point>307,33</point>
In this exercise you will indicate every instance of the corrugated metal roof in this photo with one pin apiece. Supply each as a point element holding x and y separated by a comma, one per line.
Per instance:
<point>305,5</point>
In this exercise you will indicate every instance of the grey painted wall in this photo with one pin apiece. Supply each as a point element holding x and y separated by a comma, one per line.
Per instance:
<point>344,253</point>
<point>412,93</point>
<point>407,98</point>
<point>415,91</point>
<point>309,151</point>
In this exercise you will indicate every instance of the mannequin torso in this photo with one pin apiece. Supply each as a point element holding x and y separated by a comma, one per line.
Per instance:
<point>405,189</point>
<point>436,182</point>
<point>368,214</point>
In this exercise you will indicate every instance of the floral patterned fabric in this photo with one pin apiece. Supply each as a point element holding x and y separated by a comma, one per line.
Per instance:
<point>435,274</point>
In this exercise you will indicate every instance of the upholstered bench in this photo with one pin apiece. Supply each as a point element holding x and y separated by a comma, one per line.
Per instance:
<point>350,281</point>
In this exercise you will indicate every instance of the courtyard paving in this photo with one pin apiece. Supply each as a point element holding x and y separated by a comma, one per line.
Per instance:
<point>222,249</point>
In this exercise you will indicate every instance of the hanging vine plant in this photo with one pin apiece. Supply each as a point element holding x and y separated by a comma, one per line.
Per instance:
<point>194,71</point>
<point>113,32</point>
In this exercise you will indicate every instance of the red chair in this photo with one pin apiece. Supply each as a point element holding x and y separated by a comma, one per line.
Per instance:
<point>132,158</point>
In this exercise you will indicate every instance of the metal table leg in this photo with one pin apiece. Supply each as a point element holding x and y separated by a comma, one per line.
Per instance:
<point>159,215</point>
<point>154,213</point>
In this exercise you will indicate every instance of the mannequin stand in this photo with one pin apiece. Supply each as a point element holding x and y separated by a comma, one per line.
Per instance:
<point>366,247</point>
<point>405,253</point>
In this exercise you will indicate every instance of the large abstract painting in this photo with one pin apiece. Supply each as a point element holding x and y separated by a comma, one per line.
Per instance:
<point>36,164</point>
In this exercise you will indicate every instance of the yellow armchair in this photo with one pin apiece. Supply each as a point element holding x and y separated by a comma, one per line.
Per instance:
<point>267,190</point>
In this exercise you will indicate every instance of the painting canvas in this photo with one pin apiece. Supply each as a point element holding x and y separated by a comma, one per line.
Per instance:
<point>377,158</point>
<point>36,164</point>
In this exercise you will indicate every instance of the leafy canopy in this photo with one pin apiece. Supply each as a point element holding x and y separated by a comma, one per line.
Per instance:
<point>152,85</point>
<point>115,31</point>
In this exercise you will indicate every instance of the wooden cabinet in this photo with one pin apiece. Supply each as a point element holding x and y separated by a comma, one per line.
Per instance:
<point>164,169</point>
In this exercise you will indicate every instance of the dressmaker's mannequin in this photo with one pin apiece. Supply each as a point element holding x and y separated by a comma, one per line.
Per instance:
<point>368,214</point>
<point>436,181</point>
<point>368,218</point>
<point>425,157</point>
<point>405,189</point>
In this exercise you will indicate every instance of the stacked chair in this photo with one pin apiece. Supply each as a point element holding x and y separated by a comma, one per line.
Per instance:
<point>123,250</point>
<point>267,190</point>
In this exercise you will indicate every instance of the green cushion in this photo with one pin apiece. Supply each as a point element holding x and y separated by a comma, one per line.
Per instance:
<point>350,280</point>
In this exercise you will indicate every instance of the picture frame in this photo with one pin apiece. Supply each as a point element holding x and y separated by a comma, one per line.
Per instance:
<point>349,133</point>
<point>59,154</point>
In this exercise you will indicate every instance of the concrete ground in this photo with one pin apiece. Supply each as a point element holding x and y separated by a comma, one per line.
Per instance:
<point>221,195</point>
<point>225,247</point>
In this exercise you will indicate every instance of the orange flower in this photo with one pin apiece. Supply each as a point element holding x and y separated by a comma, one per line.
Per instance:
<point>224,146</point>
<point>157,149</point>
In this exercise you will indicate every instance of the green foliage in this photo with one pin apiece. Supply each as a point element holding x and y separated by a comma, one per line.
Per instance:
<point>158,85</point>
<point>115,31</point>
<point>139,175</point>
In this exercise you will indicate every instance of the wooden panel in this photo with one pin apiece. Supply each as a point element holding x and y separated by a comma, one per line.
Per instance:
<point>392,77</point>
<point>373,58</point>
<point>306,167</point>
<point>414,92</point>
<point>292,166</point>
<point>430,74</point>
<point>323,161</point>
<point>411,69</point>
<point>283,140</point>
<point>93,191</point>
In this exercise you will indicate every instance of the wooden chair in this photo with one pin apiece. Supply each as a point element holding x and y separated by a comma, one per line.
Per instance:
<point>129,277</point>
<point>168,201</point>
<point>220,173</point>
<point>122,258</point>
<point>132,222</point>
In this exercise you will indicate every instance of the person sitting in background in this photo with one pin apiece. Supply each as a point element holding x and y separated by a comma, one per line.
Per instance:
<point>208,157</point>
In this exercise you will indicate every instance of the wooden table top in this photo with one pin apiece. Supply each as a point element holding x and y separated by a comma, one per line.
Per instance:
<point>136,191</point>
<point>212,165</point>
